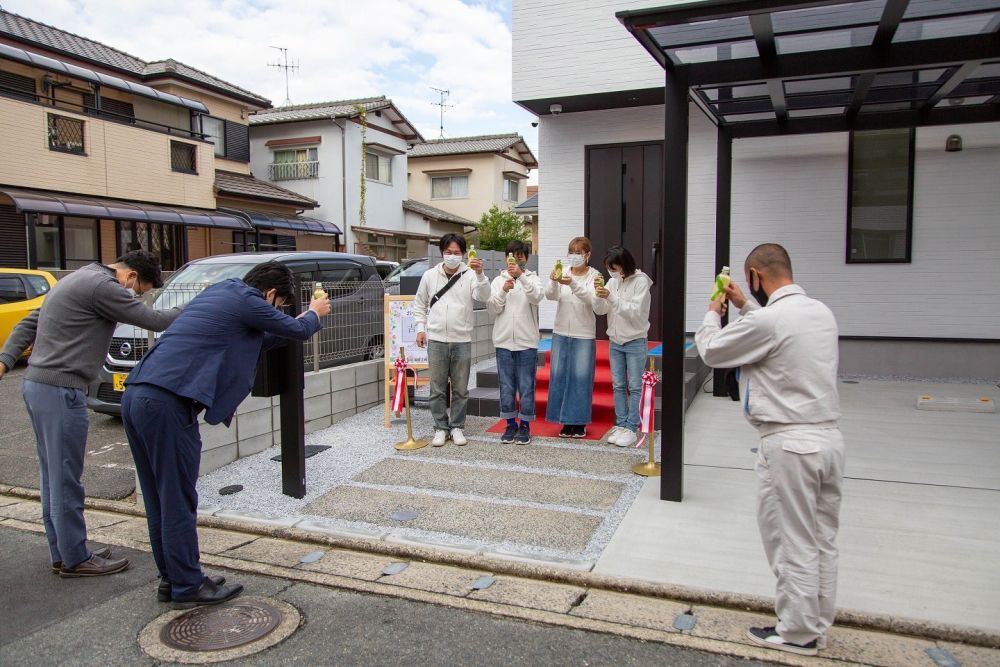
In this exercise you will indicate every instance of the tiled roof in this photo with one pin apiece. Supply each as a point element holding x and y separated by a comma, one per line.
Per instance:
<point>437,214</point>
<point>242,185</point>
<point>28,31</point>
<point>531,203</point>
<point>318,110</point>
<point>488,143</point>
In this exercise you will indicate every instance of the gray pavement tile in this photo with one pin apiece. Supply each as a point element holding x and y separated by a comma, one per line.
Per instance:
<point>529,593</point>
<point>268,550</point>
<point>565,531</point>
<point>630,610</point>
<point>27,510</point>
<point>531,487</point>
<point>350,564</point>
<point>435,578</point>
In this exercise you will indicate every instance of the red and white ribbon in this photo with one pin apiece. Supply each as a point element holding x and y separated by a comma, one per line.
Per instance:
<point>399,395</point>
<point>647,401</point>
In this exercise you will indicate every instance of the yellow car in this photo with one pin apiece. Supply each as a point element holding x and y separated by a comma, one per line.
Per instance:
<point>21,291</point>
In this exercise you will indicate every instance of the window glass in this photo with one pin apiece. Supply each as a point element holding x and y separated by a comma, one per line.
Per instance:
<point>38,285</point>
<point>81,242</point>
<point>11,289</point>
<point>48,246</point>
<point>215,131</point>
<point>881,179</point>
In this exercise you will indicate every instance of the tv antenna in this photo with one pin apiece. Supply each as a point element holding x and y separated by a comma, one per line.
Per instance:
<point>283,64</point>
<point>444,95</point>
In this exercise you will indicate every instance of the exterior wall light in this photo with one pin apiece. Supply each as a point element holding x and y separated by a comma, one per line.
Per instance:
<point>953,144</point>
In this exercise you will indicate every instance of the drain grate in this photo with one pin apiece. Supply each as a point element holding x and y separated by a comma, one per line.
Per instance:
<point>220,628</point>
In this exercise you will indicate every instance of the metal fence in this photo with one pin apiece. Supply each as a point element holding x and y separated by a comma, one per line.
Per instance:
<point>351,332</point>
<point>290,171</point>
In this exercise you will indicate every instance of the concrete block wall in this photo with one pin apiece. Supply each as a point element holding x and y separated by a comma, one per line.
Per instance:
<point>331,395</point>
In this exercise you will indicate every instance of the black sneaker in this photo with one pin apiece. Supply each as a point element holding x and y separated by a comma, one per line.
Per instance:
<point>567,431</point>
<point>580,431</point>
<point>770,638</point>
<point>523,434</point>
<point>509,433</point>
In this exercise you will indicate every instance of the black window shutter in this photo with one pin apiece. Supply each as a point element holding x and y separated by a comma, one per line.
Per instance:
<point>237,142</point>
<point>15,85</point>
<point>14,249</point>
<point>123,111</point>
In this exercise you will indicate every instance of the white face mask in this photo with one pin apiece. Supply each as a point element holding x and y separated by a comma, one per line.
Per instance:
<point>452,261</point>
<point>574,260</point>
<point>133,290</point>
<point>614,274</point>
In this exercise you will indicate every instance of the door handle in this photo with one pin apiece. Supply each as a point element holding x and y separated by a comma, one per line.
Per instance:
<point>656,253</point>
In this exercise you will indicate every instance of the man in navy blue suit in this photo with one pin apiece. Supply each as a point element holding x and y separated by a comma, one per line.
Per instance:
<point>206,361</point>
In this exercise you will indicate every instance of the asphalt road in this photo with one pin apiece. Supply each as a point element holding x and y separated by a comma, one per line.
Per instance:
<point>108,468</point>
<point>96,622</point>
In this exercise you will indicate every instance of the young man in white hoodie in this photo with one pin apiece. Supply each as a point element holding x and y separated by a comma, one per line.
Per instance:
<point>443,314</point>
<point>627,294</point>
<point>514,298</point>
<point>787,351</point>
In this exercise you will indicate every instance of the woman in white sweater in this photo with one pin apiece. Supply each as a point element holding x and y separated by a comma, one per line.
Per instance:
<point>627,296</point>
<point>571,385</point>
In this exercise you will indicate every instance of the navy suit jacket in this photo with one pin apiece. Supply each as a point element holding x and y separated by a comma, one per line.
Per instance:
<point>209,354</point>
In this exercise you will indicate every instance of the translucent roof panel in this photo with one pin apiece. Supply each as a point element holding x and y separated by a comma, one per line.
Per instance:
<point>964,101</point>
<point>925,8</point>
<point>703,32</point>
<point>819,85</point>
<point>735,92</point>
<point>908,77</point>
<point>829,16</point>
<point>954,26</point>
<point>748,117</point>
<point>987,71</point>
<point>807,113</point>
<point>828,39</point>
<point>711,53</point>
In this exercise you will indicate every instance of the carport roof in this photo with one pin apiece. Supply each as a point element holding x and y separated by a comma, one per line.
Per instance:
<point>766,67</point>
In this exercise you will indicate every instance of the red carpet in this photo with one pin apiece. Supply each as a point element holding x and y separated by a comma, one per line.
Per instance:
<point>603,416</point>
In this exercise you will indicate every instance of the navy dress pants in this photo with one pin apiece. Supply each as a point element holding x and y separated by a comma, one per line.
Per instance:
<point>162,430</point>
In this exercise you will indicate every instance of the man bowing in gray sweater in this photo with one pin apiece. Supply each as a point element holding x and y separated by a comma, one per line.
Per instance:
<point>70,334</point>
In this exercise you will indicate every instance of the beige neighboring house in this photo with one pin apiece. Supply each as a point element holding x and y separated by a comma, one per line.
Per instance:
<point>528,210</point>
<point>103,152</point>
<point>467,175</point>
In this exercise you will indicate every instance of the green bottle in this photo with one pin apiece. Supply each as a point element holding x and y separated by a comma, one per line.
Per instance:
<point>721,283</point>
<point>599,282</point>
<point>472,252</point>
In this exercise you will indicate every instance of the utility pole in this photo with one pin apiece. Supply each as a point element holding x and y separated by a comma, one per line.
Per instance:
<point>444,95</point>
<point>283,64</point>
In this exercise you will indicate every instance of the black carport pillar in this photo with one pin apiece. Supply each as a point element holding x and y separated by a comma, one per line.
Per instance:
<point>675,177</point>
<point>723,199</point>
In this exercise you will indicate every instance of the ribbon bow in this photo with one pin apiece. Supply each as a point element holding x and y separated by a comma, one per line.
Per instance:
<point>647,402</point>
<point>399,395</point>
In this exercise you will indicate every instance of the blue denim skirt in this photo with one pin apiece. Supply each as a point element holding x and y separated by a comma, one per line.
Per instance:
<point>571,383</point>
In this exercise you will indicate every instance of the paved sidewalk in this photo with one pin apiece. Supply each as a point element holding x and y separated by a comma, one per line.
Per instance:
<point>562,603</point>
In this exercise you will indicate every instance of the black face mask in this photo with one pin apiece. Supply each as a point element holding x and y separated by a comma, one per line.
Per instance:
<point>759,294</point>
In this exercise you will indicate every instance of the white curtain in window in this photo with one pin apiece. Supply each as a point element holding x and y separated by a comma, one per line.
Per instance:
<point>215,131</point>
<point>440,187</point>
<point>371,166</point>
<point>459,186</point>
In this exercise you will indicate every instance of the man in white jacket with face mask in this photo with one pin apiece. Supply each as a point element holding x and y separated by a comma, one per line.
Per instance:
<point>787,350</point>
<point>442,311</point>
<point>514,298</point>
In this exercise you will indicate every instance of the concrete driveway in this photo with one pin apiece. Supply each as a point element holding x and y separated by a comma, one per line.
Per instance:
<point>108,469</point>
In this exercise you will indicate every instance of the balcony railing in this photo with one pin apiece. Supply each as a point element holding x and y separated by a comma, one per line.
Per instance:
<point>292,171</point>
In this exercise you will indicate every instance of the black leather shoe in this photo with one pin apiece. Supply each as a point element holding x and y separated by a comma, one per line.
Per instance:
<point>208,594</point>
<point>104,552</point>
<point>163,590</point>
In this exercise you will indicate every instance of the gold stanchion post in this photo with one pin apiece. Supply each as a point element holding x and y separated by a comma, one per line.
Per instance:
<point>410,443</point>
<point>650,468</point>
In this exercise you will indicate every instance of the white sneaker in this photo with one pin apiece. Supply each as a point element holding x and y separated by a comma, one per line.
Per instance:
<point>614,433</point>
<point>458,437</point>
<point>626,438</point>
<point>439,438</point>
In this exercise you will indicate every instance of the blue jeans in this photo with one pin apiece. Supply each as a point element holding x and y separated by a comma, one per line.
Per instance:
<point>571,386</point>
<point>517,379</point>
<point>449,361</point>
<point>162,431</point>
<point>59,417</point>
<point>627,363</point>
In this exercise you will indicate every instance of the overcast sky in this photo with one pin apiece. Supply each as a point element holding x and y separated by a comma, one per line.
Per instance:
<point>345,49</point>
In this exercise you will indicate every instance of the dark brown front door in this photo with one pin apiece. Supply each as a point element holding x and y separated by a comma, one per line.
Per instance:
<point>625,207</point>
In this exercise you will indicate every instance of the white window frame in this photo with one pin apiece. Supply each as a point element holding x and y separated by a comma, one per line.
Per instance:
<point>451,186</point>
<point>220,145</point>
<point>384,162</point>
<point>508,184</point>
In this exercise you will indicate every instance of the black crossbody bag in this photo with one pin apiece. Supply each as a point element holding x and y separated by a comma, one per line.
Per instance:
<point>448,286</point>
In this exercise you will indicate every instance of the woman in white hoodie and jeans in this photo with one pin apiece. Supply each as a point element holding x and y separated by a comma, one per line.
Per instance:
<point>627,294</point>
<point>514,299</point>
<point>444,326</point>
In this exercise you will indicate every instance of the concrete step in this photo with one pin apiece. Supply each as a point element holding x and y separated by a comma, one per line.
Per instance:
<point>577,492</point>
<point>478,520</point>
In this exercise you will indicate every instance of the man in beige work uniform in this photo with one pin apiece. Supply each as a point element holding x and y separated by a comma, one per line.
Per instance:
<point>787,352</point>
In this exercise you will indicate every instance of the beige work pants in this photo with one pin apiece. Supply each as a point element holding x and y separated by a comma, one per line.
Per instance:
<point>798,508</point>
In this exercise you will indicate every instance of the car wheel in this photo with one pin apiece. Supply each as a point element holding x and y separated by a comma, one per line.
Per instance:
<point>375,349</point>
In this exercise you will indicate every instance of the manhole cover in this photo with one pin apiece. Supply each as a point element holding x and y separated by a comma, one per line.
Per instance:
<point>311,450</point>
<point>230,490</point>
<point>221,627</point>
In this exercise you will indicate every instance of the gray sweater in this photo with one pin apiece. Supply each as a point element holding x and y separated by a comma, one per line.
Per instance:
<point>70,333</point>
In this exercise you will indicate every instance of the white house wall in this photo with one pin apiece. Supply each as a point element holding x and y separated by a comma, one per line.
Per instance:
<point>562,141</point>
<point>383,202</point>
<point>793,191</point>
<point>327,189</point>
<point>569,47</point>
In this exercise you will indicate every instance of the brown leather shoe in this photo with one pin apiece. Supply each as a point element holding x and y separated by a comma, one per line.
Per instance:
<point>103,552</point>
<point>95,566</point>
